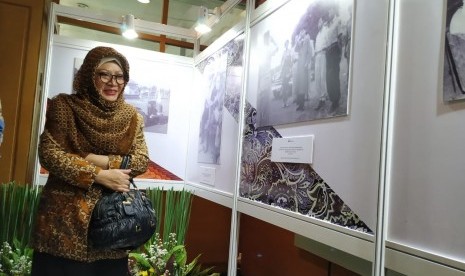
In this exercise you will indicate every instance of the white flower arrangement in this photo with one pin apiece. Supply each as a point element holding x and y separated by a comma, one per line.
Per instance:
<point>165,259</point>
<point>15,261</point>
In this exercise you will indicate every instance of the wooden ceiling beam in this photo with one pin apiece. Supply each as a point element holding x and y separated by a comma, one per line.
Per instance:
<point>107,29</point>
<point>164,20</point>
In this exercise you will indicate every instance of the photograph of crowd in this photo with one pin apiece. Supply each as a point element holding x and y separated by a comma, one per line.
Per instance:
<point>303,61</point>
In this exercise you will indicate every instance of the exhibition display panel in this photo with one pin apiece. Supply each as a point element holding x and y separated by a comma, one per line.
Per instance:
<point>335,123</point>
<point>426,153</point>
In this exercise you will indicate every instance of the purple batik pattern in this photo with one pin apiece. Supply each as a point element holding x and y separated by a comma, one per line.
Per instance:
<point>294,187</point>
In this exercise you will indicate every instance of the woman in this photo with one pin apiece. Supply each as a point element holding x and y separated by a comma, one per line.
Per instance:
<point>85,136</point>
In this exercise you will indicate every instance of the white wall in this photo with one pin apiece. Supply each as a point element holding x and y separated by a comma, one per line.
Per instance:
<point>428,152</point>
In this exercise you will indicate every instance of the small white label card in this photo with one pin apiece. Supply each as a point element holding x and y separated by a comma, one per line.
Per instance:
<point>207,175</point>
<point>293,149</point>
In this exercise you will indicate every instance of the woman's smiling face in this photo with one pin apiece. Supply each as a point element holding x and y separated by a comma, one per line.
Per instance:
<point>109,80</point>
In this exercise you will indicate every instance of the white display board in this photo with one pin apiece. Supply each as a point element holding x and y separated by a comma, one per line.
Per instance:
<point>216,74</point>
<point>346,150</point>
<point>427,174</point>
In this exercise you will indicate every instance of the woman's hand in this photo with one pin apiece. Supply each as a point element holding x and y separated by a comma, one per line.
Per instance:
<point>114,179</point>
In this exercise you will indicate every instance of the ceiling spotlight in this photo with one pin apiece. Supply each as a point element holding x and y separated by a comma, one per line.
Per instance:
<point>144,1</point>
<point>129,31</point>
<point>201,25</point>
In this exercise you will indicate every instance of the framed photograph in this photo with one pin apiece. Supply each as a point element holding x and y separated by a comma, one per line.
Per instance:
<point>301,62</point>
<point>454,52</point>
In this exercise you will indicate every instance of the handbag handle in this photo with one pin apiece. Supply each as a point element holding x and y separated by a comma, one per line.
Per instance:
<point>124,165</point>
<point>125,162</point>
<point>131,180</point>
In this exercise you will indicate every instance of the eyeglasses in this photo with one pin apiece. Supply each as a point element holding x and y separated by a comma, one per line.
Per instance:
<point>107,77</point>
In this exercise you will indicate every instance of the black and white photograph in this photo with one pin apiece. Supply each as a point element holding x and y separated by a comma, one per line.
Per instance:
<point>303,61</point>
<point>213,80</point>
<point>150,93</point>
<point>454,52</point>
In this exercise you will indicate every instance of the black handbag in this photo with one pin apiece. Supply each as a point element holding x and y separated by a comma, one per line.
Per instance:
<point>122,220</point>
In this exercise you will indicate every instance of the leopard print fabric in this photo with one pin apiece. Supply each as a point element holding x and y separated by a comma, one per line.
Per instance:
<point>76,125</point>
<point>93,124</point>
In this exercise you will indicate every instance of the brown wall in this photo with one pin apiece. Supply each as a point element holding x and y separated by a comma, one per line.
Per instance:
<point>21,27</point>
<point>267,250</point>
<point>208,234</point>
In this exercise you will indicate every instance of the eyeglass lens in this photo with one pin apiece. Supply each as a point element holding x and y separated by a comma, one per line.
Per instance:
<point>107,77</point>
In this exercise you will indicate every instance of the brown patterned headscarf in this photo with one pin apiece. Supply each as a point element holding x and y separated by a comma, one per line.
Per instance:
<point>85,122</point>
